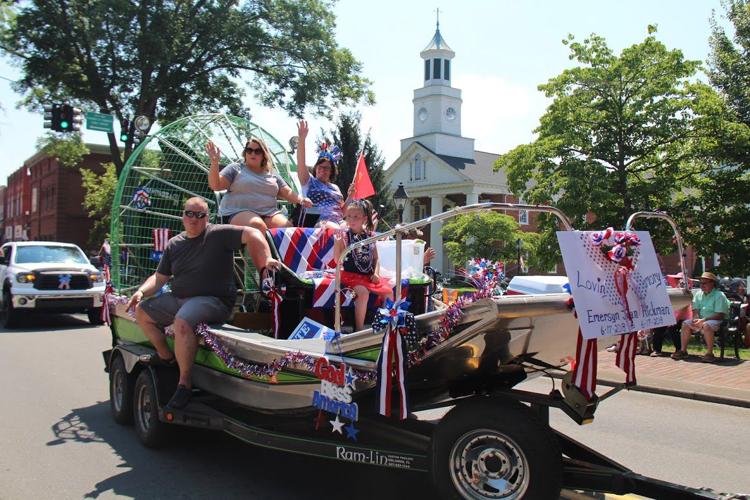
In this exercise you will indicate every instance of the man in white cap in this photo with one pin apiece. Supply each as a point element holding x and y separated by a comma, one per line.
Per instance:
<point>710,307</point>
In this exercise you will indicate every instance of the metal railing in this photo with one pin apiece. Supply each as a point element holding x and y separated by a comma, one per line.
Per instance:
<point>678,237</point>
<point>401,229</point>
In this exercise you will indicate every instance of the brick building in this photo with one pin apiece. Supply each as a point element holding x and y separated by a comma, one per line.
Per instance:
<point>44,199</point>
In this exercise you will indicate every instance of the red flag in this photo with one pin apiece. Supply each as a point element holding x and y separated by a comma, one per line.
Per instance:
<point>363,187</point>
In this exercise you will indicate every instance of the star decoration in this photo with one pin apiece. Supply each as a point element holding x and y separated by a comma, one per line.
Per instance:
<point>337,425</point>
<point>350,378</point>
<point>351,431</point>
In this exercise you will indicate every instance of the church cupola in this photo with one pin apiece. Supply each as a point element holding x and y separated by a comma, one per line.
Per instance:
<point>437,60</point>
<point>437,105</point>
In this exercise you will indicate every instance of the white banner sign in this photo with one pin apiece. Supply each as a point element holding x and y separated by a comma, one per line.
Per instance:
<point>600,307</point>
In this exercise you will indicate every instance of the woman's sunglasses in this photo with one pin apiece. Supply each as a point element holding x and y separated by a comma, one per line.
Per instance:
<point>257,151</point>
<point>193,213</point>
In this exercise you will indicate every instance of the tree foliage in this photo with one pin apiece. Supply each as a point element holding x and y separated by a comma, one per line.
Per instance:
<point>165,60</point>
<point>717,212</point>
<point>69,150</point>
<point>488,235</point>
<point>626,132</point>
<point>347,135</point>
<point>100,191</point>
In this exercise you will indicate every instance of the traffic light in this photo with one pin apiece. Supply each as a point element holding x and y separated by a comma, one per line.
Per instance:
<point>77,120</point>
<point>52,117</point>
<point>71,119</point>
<point>124,130</point>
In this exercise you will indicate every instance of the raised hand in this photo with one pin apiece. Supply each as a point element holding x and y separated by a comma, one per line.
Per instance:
<point>214,153</point>
<point>302,130</point>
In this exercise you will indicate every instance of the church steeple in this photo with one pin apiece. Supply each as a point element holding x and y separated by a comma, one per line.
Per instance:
<point>437,105</point>
<point>437,59</point>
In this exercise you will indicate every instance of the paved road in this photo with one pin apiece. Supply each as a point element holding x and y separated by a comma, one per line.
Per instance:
<point>59,442</point>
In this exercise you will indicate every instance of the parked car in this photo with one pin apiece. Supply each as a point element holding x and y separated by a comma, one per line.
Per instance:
<point>536,285</point>
<point>47,276</point>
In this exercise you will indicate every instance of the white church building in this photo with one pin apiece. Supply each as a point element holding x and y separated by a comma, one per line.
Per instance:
<point>438,167</point>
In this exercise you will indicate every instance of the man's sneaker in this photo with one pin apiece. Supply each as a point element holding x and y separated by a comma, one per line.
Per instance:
<point>154,359</point>
<point>678,355</point>
<point>656,354</point>
<point>181,398</point>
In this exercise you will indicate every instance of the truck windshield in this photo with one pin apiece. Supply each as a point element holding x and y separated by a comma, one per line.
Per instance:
<point>56,254</point>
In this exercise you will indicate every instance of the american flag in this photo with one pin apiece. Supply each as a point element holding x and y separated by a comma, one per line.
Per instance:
<point>324,292</point>
<point>309,253</point>
<point>584,372</point>
<point>625,360</point>
<point>161,237</point>
<point>304,249</point>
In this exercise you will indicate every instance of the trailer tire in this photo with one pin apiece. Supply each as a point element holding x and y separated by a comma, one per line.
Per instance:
<point>120,392</point>
<point>150,430</point>
<point>495,449</point>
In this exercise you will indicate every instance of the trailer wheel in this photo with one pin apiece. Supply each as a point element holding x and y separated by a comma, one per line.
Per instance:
<point>495,449</point>
<point>120,392</point>
<point>151,431</point>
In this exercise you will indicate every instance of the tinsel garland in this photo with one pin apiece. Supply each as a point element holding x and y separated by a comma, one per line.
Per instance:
<point>268,371</point>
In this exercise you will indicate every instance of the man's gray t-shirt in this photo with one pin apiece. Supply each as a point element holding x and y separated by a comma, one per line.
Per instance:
<point>203,265</point>
<point>250,191</point>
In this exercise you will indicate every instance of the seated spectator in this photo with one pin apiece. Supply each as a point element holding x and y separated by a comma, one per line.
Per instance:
<point>710,307</point>
<point>320,187</point>
<point>252,188</point>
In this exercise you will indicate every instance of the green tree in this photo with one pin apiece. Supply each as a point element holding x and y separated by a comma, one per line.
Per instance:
<point>165,60</point>
<point>100,191</point>
<point>624,133</point>
<point>347,135</point>
<point>717,212</point>
<point>69,151</point>
<point>488,235</point>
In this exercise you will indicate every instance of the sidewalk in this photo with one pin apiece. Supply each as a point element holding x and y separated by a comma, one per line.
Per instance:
<point>724,382</point>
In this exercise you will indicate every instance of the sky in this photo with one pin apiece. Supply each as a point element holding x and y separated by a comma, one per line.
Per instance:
<point>504,50</point>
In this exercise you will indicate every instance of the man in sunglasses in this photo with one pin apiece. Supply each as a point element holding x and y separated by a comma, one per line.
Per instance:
<point>199,261</point>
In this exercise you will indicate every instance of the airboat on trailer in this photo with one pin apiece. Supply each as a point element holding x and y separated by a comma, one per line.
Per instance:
<point>494,442</point>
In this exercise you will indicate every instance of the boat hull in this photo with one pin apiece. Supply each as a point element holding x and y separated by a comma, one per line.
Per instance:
<point>505,335</point>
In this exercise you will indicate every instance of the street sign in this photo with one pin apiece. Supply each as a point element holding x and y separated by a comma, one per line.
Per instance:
<point>99,121</point>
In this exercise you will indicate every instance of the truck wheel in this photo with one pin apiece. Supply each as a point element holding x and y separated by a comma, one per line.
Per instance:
<point>120,392</point>
<point>95,316</point>
<point>151,431</point>
<point>495,449</point>
<point>8,314</point>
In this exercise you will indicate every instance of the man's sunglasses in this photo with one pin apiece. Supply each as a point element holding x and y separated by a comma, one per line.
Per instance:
<point>257,151</point>
<point>193,213</point>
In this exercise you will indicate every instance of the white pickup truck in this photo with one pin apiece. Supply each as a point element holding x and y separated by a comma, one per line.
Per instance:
<point>48,276</point>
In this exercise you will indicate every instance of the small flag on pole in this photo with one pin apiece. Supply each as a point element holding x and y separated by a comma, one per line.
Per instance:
<point>161,237</point>
<point>363,187</point>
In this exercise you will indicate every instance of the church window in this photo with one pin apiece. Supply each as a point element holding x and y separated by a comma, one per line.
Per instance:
<point>523,217</point>
<point>447,69</point>
<point>418,164</point>
<point>436,69</point>
<point>427,69</point>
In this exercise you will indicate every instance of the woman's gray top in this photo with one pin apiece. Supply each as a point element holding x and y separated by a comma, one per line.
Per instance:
<point>249,191</point>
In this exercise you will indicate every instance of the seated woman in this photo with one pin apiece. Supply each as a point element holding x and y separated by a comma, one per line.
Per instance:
<point>252,188</point>
<point>320,186</point>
